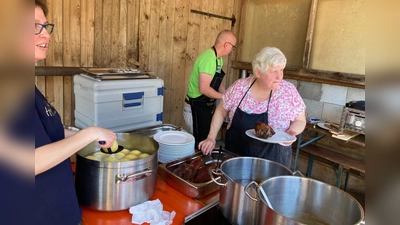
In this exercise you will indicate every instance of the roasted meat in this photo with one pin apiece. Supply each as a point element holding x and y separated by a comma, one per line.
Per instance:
<point>195,171</point>
<point>262,130</point>
<point>197,163</point>
<point>203,175</point>
<point>183,170</point>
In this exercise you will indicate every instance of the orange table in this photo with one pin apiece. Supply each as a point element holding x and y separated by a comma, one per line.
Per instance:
<point>171,199</point>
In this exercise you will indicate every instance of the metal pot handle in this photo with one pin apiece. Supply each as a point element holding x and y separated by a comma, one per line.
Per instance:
<point>298,174</point>
<point>247,193</point>
<point>218,172</point>
<point>135,176</point>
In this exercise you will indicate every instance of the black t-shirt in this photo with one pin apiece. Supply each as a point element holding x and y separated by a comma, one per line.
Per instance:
<point>56,201</point>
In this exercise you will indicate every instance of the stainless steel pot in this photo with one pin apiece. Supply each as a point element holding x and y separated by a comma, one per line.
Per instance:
<point>235,173</point>
<point>299,200</point>
<point>113,186</point>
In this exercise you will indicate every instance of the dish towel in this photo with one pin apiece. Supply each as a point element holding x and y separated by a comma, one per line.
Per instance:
<point>151,212</point>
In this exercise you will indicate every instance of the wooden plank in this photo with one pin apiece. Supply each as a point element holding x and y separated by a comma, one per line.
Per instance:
<point>74,32</point>
<point>310,34</point>
<point>41,83</point>
<point>98,31</point>
<point>106,33</point>
<point>232,10</point>
<point>241,23</point>
<point>165,56</point>
<point>55,52</point>
<point>72,57</point>
<point>57,86</point>
<point>87,33</point>
<point>192,44</point>
<point>122,34</point>
<point>114,29</point>
<point>132,48</point>
<point>56,70</point>
<point>69,101</point>
<point>178,62</point>
<point>205,27</point>
<point>67,45</point>
<point>154,48</point>
<point>144,33</point>
<point>49,94</point>
<point>335,157</point>
<point>107,29</point>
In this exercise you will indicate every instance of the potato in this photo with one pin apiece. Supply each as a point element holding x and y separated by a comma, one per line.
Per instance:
<point>100,156</point>
<point>131,157</point>
<point>144,155</point>
<point>136,152</point>
<point>125,151</point>
<point>113,148</point>
<point>119,155</point>
<point>124,160</point>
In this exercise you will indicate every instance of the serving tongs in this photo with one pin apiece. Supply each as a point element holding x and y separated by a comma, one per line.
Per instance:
<point>218,159</point>
<point>109,151</point>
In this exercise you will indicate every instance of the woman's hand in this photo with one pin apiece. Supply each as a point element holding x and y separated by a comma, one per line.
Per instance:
<point>207,146</point>
<point>106,135</point>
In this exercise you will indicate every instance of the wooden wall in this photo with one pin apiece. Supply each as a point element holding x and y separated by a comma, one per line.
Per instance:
<point>162,36</point>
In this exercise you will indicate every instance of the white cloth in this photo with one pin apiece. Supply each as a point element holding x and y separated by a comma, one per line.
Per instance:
<point>151,212</point>
<point>187,116</point>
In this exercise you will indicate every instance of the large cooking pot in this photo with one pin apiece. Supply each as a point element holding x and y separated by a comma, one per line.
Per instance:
<point>113,186</point>
<point>299,200</point>
<point>235,173</point>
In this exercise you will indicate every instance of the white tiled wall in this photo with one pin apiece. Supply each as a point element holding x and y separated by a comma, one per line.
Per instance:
<point>334,94</point>
<point>326,101</point>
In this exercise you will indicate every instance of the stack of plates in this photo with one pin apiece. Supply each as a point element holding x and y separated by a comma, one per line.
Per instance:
<point>174,145</point>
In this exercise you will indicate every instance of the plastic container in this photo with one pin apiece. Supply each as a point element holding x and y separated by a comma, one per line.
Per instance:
<point>119,105</point>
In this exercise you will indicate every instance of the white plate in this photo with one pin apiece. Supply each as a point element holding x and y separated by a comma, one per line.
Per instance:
<point>278,137</point>
<point>322,125</point>
<point>173,137</point>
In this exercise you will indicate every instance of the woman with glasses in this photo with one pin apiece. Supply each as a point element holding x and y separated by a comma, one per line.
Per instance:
<point>266,98</point>
<point>55,197</point>
<point>205,85</point>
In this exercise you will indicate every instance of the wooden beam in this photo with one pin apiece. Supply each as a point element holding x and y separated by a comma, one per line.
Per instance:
<point>318,76</point>
<point>57,71</point>
<point>310,34</point>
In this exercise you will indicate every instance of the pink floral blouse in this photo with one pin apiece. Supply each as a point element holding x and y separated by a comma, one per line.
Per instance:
<point>286,103</point>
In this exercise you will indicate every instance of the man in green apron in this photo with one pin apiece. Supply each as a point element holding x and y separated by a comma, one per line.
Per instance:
<point>205,84</point>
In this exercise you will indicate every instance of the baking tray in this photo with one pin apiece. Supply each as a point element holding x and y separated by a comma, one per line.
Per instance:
<point>151,131</point>
<point>116,73</point>
<point>192,190</point>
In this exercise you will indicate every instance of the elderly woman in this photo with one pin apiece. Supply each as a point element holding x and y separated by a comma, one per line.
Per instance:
<point>264,97</point>
<point>56,201</point>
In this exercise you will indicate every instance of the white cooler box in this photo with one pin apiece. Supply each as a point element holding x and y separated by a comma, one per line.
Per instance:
<point>119,105</point>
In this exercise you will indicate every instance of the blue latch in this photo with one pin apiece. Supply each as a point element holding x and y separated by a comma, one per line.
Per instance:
<point>160,91</point>
<point>159,116</point>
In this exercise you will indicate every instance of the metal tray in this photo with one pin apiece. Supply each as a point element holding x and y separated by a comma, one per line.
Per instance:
<point>151,131</point>
<point>116,73</point>
<point>192,190</point>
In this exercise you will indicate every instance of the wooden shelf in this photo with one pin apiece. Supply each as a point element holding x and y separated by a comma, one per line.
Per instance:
<point>318,76</point>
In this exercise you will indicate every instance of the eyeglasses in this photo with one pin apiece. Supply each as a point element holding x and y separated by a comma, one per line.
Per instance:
<point>39,28</point>
<point>233,47</point>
